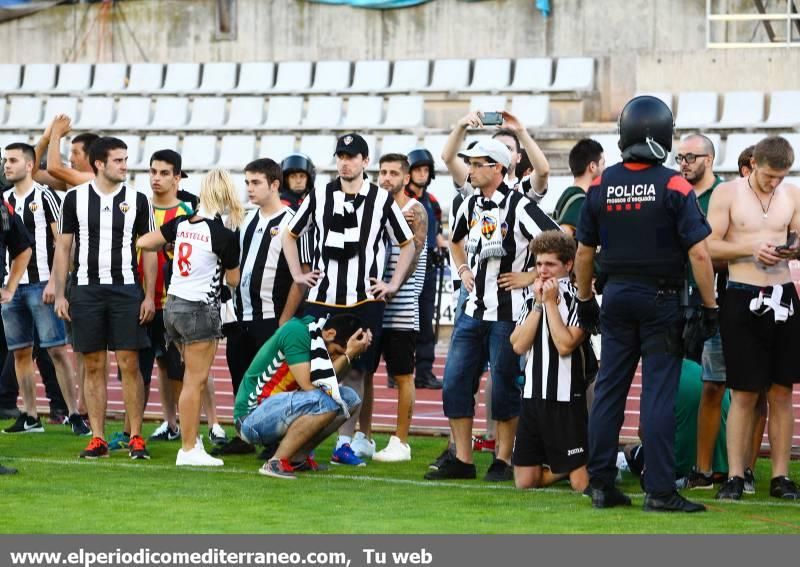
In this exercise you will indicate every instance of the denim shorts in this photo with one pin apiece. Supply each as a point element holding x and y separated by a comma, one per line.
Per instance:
<point>188,322</point>
<point>713,360</point>
<point>268,423</point>
<point>27,311</point>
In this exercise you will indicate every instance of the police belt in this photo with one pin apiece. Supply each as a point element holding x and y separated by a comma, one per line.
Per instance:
<point>658,282</point>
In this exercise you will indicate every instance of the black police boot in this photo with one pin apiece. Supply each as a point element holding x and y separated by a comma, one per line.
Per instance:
<point>605,497</point>
<point>672,502</point>
<point>428,381</point>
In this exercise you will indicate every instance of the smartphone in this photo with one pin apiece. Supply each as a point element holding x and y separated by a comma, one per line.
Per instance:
<point>790,241</point>
<point>492,118</point>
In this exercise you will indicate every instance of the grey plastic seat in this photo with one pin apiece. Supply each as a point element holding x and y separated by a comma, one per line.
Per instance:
<point>145,78</point>
<point>784,109</point>
<point>363,112</point>
<point>696,109</point>
<point>134,144</point>
<point>443,189</point>
<point>370,77</point>
<point>73,78</point>
<point>449,75</point>
<point>331,77</point>
<point>276,147</point>
<point>151,145</point>
<point>24,112</point>
<point>133,113</point>
<point>293,77</point>
<point>246,113</point>
<point>12,75</point>
<point>490,103</point>
<point>236,151</point>
<point>574,74</point>
<point>532,110</point>
<point>398,143</point>
<point>742,109</point>
<point>490,75</point>
<point>611,151</point>
<point>410,75</point>
<point>255,77</point>
<point>199,152</point>
<point>734,145</point>
<point>170,112</point>
<point>208,113</point>
<point>323,112</point>
<point>435,143</point>
<point>181,78</point>
<point>532,74</point>
<point>109,78</point>
<point>284,111</point>
<point>319,147</point>
<point>60,105</point>
<point>38,77</point>
<point>404,112</point>
<point>97,113</point>
<point>218,78</point>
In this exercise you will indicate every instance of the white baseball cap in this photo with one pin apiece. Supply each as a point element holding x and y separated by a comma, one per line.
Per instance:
<point>489,148</point>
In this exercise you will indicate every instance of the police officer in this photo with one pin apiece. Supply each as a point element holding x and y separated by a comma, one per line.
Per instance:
<point>645,218</point>
<point>299,175</point>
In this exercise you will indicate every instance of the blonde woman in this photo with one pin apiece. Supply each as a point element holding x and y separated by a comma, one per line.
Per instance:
<point>204,247</point>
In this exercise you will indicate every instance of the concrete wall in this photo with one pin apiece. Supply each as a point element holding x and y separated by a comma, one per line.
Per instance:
<point>618,33</point>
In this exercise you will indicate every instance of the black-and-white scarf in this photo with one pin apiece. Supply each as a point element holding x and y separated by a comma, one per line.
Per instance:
<point>342,242</point>
<point>485,233</point>
<point>323,376</point>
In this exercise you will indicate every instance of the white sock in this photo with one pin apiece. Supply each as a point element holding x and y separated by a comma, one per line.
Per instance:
<point>342,439</point>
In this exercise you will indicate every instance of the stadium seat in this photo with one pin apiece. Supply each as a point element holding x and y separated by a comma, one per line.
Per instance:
<point>73,77</point>
<point>443,189</point>
<point>319,147</point>
<point>181,78</point>
<point>556,184</point>
<point>208,113</point>
<point>247,113</point>
<point>410,75</point>
<point>109,78</point>
<point>734,144</point>
<point>151,145</point>
<point>696,109</point>
<point>363,112</point>
<point>236,151</point>
<point>404,112</point>
<point>284,112</point>
<point>133,113</point>
<point>6,139</point>
<point>370,77</point>
<point>24,112</point>
<point>142,184</point>
<point>293,77</point>
<point>241,188</point>
<point>60,105</point>
<point>199,152</point>
<point>574,74</point>
<point>331,77</point>
<point>372,144</point>
<point>449,75</point>
<point>611,151</point>
<point>38,77</point>
<point>170,112</point>
<point>741,109</point>
<point>491,103</point>
<point>218,78</point>
<point>664,97</point>
<point>323,112</point>
<point>434,143</point>
<point>322,180</point>
<point>276,147</point>
<point>490,75</point>
<point>11,73</point>
<point>532,74</point>
<point>255,78</point>
<point>784,109</point>
<point>97,113</point>
<point>532,110</point>
<point>397,144</point>
<point>192,183</point>
<point>134,144</point>
<point>145,78</point>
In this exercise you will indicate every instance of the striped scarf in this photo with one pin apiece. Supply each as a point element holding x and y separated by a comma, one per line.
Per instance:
<point>323,376</point>
<point>486,234</point>
<point>342,242</point>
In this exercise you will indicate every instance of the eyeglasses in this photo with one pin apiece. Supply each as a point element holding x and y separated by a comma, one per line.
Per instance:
<point>688,158</point>
<point>473,165</point>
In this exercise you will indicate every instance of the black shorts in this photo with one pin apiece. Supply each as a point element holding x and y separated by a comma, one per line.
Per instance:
<point>758,350</point>
<point>398,348</point>
<point>371,315</point>
<point>553,434</point>
<point>106,317</point>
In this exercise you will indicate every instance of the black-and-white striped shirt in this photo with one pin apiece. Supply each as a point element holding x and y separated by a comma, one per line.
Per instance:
<point>266,279</point>
<point>402,312</point>
<point>346,283</point>
<point>39,208</point>
<point>548,375</point>
<point>520,221</point>
<point>105,229</point>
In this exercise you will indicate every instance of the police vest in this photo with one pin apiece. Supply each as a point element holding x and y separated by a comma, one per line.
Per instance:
<point>638,227</point>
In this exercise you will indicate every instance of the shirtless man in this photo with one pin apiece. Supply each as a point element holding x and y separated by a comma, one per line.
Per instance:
<point>760,318</point>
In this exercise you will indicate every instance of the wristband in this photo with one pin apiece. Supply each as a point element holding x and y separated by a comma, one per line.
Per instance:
<point>349,362</point>
<point>538,307</point>
<point>461,268</point>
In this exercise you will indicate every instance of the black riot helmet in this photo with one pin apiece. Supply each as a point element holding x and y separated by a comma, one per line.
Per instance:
<point>299,162</point>
<point>645,128</point>
<point>421,156</point>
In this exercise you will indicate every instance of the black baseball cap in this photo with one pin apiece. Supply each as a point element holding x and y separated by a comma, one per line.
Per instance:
<point>352,144</point>
<point>171,157</point>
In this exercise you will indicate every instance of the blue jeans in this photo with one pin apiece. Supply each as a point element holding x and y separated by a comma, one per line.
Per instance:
<point>26,312</point>
<point>268,423</point>
<point>475,342</point>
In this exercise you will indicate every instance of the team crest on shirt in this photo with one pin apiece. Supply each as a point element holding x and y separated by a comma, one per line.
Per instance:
<point>473,220</point>
<point>488,226</point>
<point>274,231</point>
<point>504,229</point>
<point>348,140</point>
<point>34,206</point>
<point>124,207</point>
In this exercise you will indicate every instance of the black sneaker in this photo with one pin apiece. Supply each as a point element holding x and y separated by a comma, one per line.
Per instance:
<point>78,426</point>
<point>749,481</point>
<point>609,498</point>
<point>783,487</point>
<point>673,502</point>
<point>26,424</point>
<point>447,455</point>
<point>452,469</point>
<point>235,446</point>
<point>428,382</point>
<point>499,471</point>
<point>700,481</point>
<point>732,489</point>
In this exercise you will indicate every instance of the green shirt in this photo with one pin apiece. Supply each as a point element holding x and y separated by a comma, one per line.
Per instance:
<point>703,200</point>
<point>568,207</point>
<point>269,372</point>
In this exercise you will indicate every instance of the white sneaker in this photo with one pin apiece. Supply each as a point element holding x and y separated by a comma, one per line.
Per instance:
<point>197,457</point>
<point>395,452</point>
<point>363,448</point>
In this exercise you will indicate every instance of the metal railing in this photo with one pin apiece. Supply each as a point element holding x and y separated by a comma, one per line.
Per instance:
<point>788,19</point>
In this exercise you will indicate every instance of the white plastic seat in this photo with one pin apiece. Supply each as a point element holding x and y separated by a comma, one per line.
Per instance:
<point>246,113</point>
<point>109,78</point>
<point>60,105</point>
<point>237,151</point>
<point>410,75</point>
<point>6,139</point>
<point>73,77</point>
<point>133,113</point>
<point>145,78</point>
<point>255,77</point>
<point>323,112</point>
<point>363,112</point>
<point>11,73</point>
<point>97,113</point>
<point>142,183</point>
<point>490,103</point>
<point>556,184</point>
<point>181,78</point>
<point>490,75</point>
<point>449,75</point>
<point>370,77</point>
<point>276,147</point>
<point>208,113</point>
<point>574,74</point>
<point>398,144</point>
<point>24,112</point>
<point>134,144</point>
<point>532,74</point>
<point>319,147</point>
<point>38,77</point>
<point>199,152</point>
<point>741,109</point>
<point>372,145</point>
<point>192,183</point>
<point>532,110</point>
<point>664,97</point>
<point>293,77</point>
<point>241,189</point>
<point>218,78</point>
<point>331,77</point>
<point>734,145</point>
<point>284,111</point>
<point>784,109</point>
<point>151,145</point>
<point>404,112</point>
<point>611,151</point>
<point>435,143</point>
<point>696,109</point>
<point>170,112</point>
<point>443,189</point>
